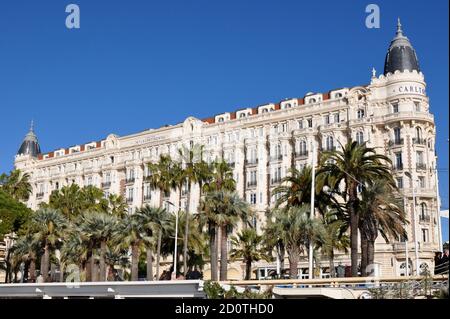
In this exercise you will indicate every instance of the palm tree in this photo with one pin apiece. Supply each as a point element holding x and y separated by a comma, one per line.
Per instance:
<point>273,238</point>
<point>192,171</point>
<point>161,176</point>
<point>246,246</point>
<point>295,188</point>
<point>356,164</point>
<point>131,233</point>
<point>333,238</point>
<point>221,177</point>
<point>67,200</point>
<point>25,247</point>
<point>16,184</point>
<point>380,211</point>
<point>99,228</point>
<point>296,229</point>
<point>117,205</point>
<point>74,251</point>
<point>47,225</point>
<point>154,221</point>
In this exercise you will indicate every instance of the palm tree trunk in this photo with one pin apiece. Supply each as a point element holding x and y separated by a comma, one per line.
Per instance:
<point>45,263</point>
<point>248,269</point>
<point>213,251</point>
<point>281,253</point>
<point>134,262</point>
<point>293,265</point>
<point>102,261</point>
<point>94,269</point>
<point>61,272</point>
<point>223,253</point>
<point>370,252</point>
<point>331,261</point>
<point>149,264</point>
<point>354,220</point>
<point>185,239</point>
<point>364,251</point>
<point>158,253</point>
<point>32,271</point>
<point>88,266</point>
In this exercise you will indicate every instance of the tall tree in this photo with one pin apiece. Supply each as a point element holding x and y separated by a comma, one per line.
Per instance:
<point>356,164</point>
<point>247,246</point>
<point>17,184</point>
<point>47,225</point>
<point>161,176</point>
<point>380,212</point>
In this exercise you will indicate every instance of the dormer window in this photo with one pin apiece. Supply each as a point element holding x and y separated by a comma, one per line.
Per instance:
<point>242,115</point>
<point>220,119</point>
<point>395,108</point>
<point>312,100</point>
<point>338,95</point>
<point>265,110</point>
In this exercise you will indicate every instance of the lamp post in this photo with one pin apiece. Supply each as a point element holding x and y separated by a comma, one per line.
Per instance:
<point>174,275</point>
<point>416,241</point>
<point>311,216</point>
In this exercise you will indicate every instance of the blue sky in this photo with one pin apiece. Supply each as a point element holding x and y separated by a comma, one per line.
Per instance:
<point>135,64</point>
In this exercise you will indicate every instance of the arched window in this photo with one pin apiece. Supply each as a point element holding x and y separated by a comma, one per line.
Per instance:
<point>220,119</point>
<point>302,148</point>
<point>312,100</point>
<point>338,95</point>
<point>423,211</point>
<point>360,138</point>
<point>287,105</point>
<point>330,143</point>
<point>241,115</point>
<point>360,113</point>
<point>397,135</point>
<point>265,110</point>
<point>418,134</point>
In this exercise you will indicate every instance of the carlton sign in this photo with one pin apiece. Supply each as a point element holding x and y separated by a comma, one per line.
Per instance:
<point>409,89</point>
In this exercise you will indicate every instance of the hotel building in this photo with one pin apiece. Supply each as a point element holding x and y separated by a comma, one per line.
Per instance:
<point>391,114</point>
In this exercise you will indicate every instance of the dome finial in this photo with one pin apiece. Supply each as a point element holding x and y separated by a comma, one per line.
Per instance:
<point>32,126</point>
<point>399,28</point>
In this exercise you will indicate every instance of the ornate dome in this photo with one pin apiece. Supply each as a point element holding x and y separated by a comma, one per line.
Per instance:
<point>30,145</point>
<point>401,55</point>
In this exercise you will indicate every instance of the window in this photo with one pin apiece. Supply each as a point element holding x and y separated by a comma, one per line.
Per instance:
<point>220,119</point>
<point>284,127</point>
<point>338,95</point>
<point>310,123</point>
<point>265,110</point>
<point>423,211</point>
<point>398,160</point>
<point>312,100</point>
<point>326,120</point>
<point>287,106</point>
<point>336,118</point>
<point>397,135</point>
<point>253,198</point>
<point>419,159</point>
<point>421,182</point>
<point>360,113</point>
<point>424,235</point>
<point>400,182</point>
<point>417,106</point>
<point>242,115</point>
<point>300,124</point>
<point>360,138</point>
<point>330,143</point>
<point>302,148</point>
<point>395,108</point>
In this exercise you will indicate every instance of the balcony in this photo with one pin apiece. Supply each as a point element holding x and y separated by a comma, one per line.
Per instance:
<point>252,161</point>
<point>424,218</point>
<point>421,166</point>
<point>276,157</point>
<point>129,180</point>
<point>419,141</point>
<point>398,167</point>
<point>232,164</point>
<point>147,198</point>
<point>130,200</point>
<point>302,154</point>
<point>251,184</point>
<point>276,180</point>
<point>39,195</point>
<point>396,142</point>
<point>106,184</point>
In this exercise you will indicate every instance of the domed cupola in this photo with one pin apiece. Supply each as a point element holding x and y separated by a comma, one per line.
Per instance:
<point>401,55</point>
<point>30,145</point>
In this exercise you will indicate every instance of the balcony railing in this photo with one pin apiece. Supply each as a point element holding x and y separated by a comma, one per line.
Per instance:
<point>40,195</point>
<point>251,184</point>
<point>130,200</point>
<point>130,180</point>
<point>398,167</point>
<point>424,218</point>
<point>301,154</point>
<point>147,198</point>
<point>106,184</point>
<point>421,166</point>
<point>252,161</point>
<point>231,164</point>
<point>419,141</point>
<point>395,142</point>
<point>275,180</point>
<point>276,157</point>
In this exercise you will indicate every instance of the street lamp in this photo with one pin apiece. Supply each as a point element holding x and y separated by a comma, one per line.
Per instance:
<point>416,248</point>
<point>174,275</point>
